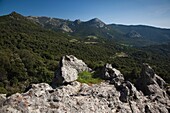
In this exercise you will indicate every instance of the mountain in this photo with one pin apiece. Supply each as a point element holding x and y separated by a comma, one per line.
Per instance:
<point>52,23</point>
<point>136,35</point>
<point>30,50</point>
<point>152,34</point>
<point>96,23</point>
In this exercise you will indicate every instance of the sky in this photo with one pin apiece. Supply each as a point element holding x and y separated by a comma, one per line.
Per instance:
<point>129,12</point>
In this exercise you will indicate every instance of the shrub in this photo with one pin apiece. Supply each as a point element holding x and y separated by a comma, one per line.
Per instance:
<point>87,77</point>
<point>3,90</point>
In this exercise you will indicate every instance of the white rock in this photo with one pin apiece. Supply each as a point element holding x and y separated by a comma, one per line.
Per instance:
<point>68,70</point>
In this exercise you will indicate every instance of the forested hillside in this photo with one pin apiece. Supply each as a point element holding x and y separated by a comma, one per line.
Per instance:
<point>30,53</point>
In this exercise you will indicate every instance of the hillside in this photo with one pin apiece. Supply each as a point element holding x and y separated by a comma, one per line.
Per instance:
<point>30,52</point>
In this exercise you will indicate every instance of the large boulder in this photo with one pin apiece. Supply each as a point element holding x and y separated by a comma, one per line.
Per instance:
<point>68,70</point>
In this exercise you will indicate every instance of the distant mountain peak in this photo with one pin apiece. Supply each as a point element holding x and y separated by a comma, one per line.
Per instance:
<point>97,22</point>
<point>78,21</point>
<point>14,14</point>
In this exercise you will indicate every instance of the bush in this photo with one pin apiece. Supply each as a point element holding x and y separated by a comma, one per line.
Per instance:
<point>87,77</point>
<point>3,90</point>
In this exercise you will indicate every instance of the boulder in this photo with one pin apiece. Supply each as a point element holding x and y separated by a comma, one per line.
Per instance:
<point>112,74</point>
<point>68,70</point>
<point>128,92</point>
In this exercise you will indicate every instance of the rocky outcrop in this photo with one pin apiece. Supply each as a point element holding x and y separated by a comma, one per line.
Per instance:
<point>76,22</point>
<point>77,97</point>
<point>2,99</point>
<point>168,90</point>
<point>153,86</point>
<point>107,97</point>
<point>68,70</point>
<point>149,82</point>
<point>51,23</point>
<point>96,23</point>
<point>65,28</point>
<point>112,74</point>
<point>134,34</point>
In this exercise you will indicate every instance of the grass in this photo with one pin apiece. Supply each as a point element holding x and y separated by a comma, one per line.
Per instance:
<point>88,78</point>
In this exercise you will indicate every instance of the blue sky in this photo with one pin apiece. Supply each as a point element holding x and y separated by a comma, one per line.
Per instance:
<point>147,12</point>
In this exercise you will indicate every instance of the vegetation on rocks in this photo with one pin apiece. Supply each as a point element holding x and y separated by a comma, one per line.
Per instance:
<point>89,78</point>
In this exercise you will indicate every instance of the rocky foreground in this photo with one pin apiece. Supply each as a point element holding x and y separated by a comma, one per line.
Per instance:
<point>115,95</point>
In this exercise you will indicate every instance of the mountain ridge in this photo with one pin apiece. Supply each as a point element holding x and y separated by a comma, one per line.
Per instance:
<point>92,19</point>
<point>95,27</point>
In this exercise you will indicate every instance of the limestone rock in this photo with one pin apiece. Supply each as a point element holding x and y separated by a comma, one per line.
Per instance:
<point>128,92</point>
<point>168,90</point>
<point>134,34</point>
<point>78,21</point>
<point>30,102</point>
<point>153,86</point>
<point>112,74</point>
<point>65,28</point>
<point>51,23</point>
<point>81,98</point>
<point>2,99</point>
<point>67,98</point>
<point>68,70</point>
<point>149,82</point>
<point>96,23</point>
